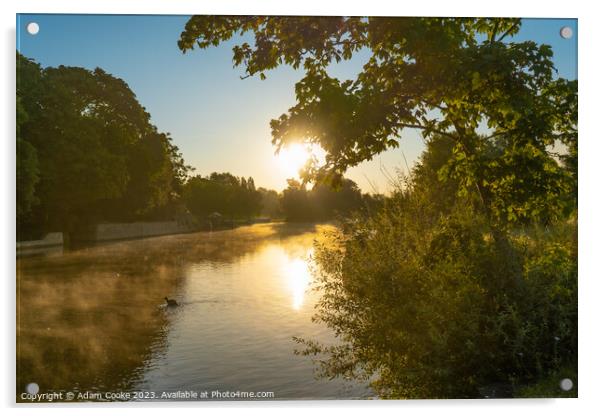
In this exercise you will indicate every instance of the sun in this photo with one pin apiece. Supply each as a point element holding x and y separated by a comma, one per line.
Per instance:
<point>292,158</point>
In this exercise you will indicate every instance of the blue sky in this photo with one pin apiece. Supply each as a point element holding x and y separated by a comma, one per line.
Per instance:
<point>220,122</point>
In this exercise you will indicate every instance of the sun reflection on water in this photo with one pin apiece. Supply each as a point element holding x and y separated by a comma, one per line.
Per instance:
<point>298,276</point>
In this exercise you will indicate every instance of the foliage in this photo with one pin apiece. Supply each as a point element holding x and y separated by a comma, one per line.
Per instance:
<point>498,101</point>
<point>468,274</point>
<point>296,203</point>
<point>27,177</point>
<point>222,193</point>
<point>425,304</point>
<point>321,202</point>
<point>270,203</point>
<point>87,150</point>
<point>27,168</point>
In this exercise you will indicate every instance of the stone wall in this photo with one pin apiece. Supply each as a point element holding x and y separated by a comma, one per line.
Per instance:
<point>124,231</point>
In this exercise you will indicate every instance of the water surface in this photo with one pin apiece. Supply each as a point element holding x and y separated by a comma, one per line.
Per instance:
<point>94,319</point>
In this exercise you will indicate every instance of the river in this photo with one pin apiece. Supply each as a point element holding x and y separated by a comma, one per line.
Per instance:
<point>93,320</point>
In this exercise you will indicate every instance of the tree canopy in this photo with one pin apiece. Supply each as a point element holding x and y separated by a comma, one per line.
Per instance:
<point>321,203</point>
<point>499,102</point>
<point>87,151</point>
<point>222,193</point>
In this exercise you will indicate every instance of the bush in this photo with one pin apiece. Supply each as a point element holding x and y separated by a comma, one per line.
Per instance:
<point>436,305</point>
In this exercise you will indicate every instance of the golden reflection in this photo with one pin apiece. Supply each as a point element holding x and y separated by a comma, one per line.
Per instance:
<point>298,276</point>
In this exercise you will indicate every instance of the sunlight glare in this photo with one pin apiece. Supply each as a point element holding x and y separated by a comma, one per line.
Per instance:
<point>298,275</point>
<point>292,158</point>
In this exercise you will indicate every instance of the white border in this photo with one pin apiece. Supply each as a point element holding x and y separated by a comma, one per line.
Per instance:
<point>517,8</point>
<point>590,152</point>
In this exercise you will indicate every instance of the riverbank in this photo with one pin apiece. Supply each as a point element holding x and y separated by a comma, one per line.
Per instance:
<point>52,242</point>
<point>101,233</point>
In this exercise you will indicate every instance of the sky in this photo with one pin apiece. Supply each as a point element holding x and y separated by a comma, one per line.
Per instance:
<point>220,122</point>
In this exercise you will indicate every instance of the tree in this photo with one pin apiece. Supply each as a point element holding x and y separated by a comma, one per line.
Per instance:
<point>152,183</point>
<point>270,203</point>
<point>497,101</point>
<point>27,168</point>
<point>87,151</point>
<point>453,283</point>
<point>329,203</point>
<point>296,204</point>
<point>252,201</point>
<point>223,193</point>
<point>321,202</point>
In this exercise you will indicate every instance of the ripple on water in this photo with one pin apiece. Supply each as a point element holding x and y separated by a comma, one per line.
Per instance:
<point>242,295</point>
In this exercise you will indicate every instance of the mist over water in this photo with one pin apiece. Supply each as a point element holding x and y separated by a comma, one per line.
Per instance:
<point>95,319</point>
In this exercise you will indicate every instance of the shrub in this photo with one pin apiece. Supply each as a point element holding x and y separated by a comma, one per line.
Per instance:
<point>432,305</point>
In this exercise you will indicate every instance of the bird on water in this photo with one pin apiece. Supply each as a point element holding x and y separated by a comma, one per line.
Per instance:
<point>170,302</point>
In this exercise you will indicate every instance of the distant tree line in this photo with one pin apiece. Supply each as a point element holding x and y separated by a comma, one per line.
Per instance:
<point>224,194</point>
<point>323,202</point>
<point>235,198</point>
